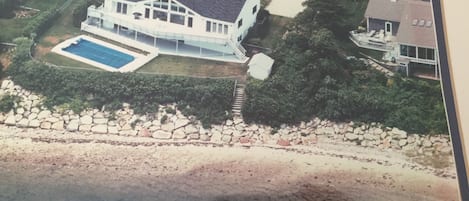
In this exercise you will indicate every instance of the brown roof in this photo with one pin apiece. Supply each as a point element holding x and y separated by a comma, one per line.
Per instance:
<point>385,9</point>
<point>423,32</point>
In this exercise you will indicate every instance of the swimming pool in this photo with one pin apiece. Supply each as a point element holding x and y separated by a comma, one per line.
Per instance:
<point>98,53</point>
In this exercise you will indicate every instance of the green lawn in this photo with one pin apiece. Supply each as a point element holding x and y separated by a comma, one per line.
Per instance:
<point>184,66</point>
<point>14,27</point>
<point>64,61</point>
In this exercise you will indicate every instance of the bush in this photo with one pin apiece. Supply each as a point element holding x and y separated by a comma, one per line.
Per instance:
<point>209,99</point>
<point>8,102</point>
<point>42,22</point>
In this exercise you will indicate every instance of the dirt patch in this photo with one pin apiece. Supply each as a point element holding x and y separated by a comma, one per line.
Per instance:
<point>25,13</point>
<point>41,51</point>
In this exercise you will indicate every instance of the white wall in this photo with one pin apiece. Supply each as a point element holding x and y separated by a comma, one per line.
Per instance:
<point>249,19</point>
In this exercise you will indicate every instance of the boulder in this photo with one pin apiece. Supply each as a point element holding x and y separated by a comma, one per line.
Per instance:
<point>216,137</point>
<point>181,123</point>
<point>164,135</point>
<point>226,138</point>
<point>204,137</point>
<point>84,128</point>
<point>168,127</point>
<point>34,123</point>
<point>99,129</point>
<point>32,116</point>
<point>73,125</point>
<point>398,134</point>
<point>144,132</point>
<point>10,120</point>
<point>189,129</point>
<point>23,123</point>
<point>59,125</point>
<point>351,136</point>
<point>193,136</point>
<point>402,142</point>
<point>20,110</point>
<point>113,130</point>
<point>46,125</point>
<point>179,134</point>
<point>44,114</point>
<point>86,120</point>
<point>283,142</point>
<point>100,121</point>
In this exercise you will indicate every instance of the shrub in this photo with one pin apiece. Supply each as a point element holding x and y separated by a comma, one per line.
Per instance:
<point>164,119</point>
<point>42,22</point>
<point>7,7</point>
<point>8,102</point>
<point>209,99</point>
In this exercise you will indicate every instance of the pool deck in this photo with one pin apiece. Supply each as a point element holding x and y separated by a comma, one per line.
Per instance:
<point>139,61</point>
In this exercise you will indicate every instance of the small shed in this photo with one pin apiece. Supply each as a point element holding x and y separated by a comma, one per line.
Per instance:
<point>260,66</point>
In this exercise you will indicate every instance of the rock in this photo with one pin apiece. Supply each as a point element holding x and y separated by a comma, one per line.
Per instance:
<point>20,110</point>
<point>34,123</point>
<point>398,134</point>
<point>283,142</point>
<point>23,123</point>
<point>402,142</point>
<point>227,131</point>
<point>73,125</point>
<point>32,116</point>
<point>46,125</point>
<point>59,125</point>
<point>53,119</point>
<point>163,135</point>
<point>226,138</point>
<point>368,136</point>
<point>144,132</point>
<point>113,130</point>
<point>427,143</point>
<point>204,137</point>
<point>100,121</point>
<point>99,129</point>
<point>179,134</point>
<point>351,136</point>
<point>86,120</point>
<point>44,114</point>
<point>168,127</point>
<point>229,122</point>
<point>245,140</point>
<point>181,123</point>
<point>6,84</point>
<point>189,129</point>
<point>193,136</point>
<point>216,137</point>
<point>10,120</point>
<point>85,128</point>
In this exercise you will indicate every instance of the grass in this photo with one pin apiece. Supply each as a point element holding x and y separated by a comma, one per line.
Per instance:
<point>64,61</point>
<point>184,66</point>
<point>14,27</point>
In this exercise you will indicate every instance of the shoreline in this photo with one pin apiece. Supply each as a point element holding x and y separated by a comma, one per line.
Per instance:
<point>50,165</point>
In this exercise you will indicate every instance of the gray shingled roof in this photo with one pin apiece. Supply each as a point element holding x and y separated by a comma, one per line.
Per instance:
<point>415,34</point>
<point>224,10</point>
<point>385,9</point>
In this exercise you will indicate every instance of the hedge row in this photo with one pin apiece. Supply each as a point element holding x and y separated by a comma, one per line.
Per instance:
<point>207,99</point>
<point>42,22</point>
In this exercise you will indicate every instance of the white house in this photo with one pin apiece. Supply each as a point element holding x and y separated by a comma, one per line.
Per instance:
<point>209,29</point>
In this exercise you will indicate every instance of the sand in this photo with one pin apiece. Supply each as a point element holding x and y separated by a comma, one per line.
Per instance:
<point>75,167</point>
<point>285,8</point>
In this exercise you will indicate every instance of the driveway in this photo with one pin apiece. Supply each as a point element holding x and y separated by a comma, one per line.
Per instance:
<point>286,8</point>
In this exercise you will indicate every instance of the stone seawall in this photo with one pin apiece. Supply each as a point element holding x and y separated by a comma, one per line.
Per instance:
<point>169,124</point>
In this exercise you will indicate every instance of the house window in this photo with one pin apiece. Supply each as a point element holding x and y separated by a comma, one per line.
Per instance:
<point>220,28</point>
<point>430,54</point>
<point>189,22</point>
<point>163,4</point>
<point>404,50</point>
<point>119,7</point>
<point>124,8</point>
<point>412,52</point>
<point>160,15</point>
<point>214,27</point>
<point>408,51</point>
<point>208,26</point>
<point>240,23</point>
<point>177,8</point>
<point>226,29</point>
<point>426,53</point>
<point>254,10</point>
<point>147,13</point>
<point>177,19</point>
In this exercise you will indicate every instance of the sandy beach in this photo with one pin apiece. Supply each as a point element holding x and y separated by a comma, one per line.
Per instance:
<point>46,166</point>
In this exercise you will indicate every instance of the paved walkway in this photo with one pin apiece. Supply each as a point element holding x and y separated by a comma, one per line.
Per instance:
<point>286,8</point>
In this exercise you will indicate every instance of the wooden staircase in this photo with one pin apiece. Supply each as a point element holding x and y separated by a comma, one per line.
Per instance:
<point>238,100</point>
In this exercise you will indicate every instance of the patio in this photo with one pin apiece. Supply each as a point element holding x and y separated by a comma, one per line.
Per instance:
<point>373,40</point>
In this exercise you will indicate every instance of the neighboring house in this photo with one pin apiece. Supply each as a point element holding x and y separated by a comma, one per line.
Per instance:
<point>404,30</point>
<point>209,29</point>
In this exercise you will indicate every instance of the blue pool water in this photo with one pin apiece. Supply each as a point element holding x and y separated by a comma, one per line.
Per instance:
<point>99,53</point>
